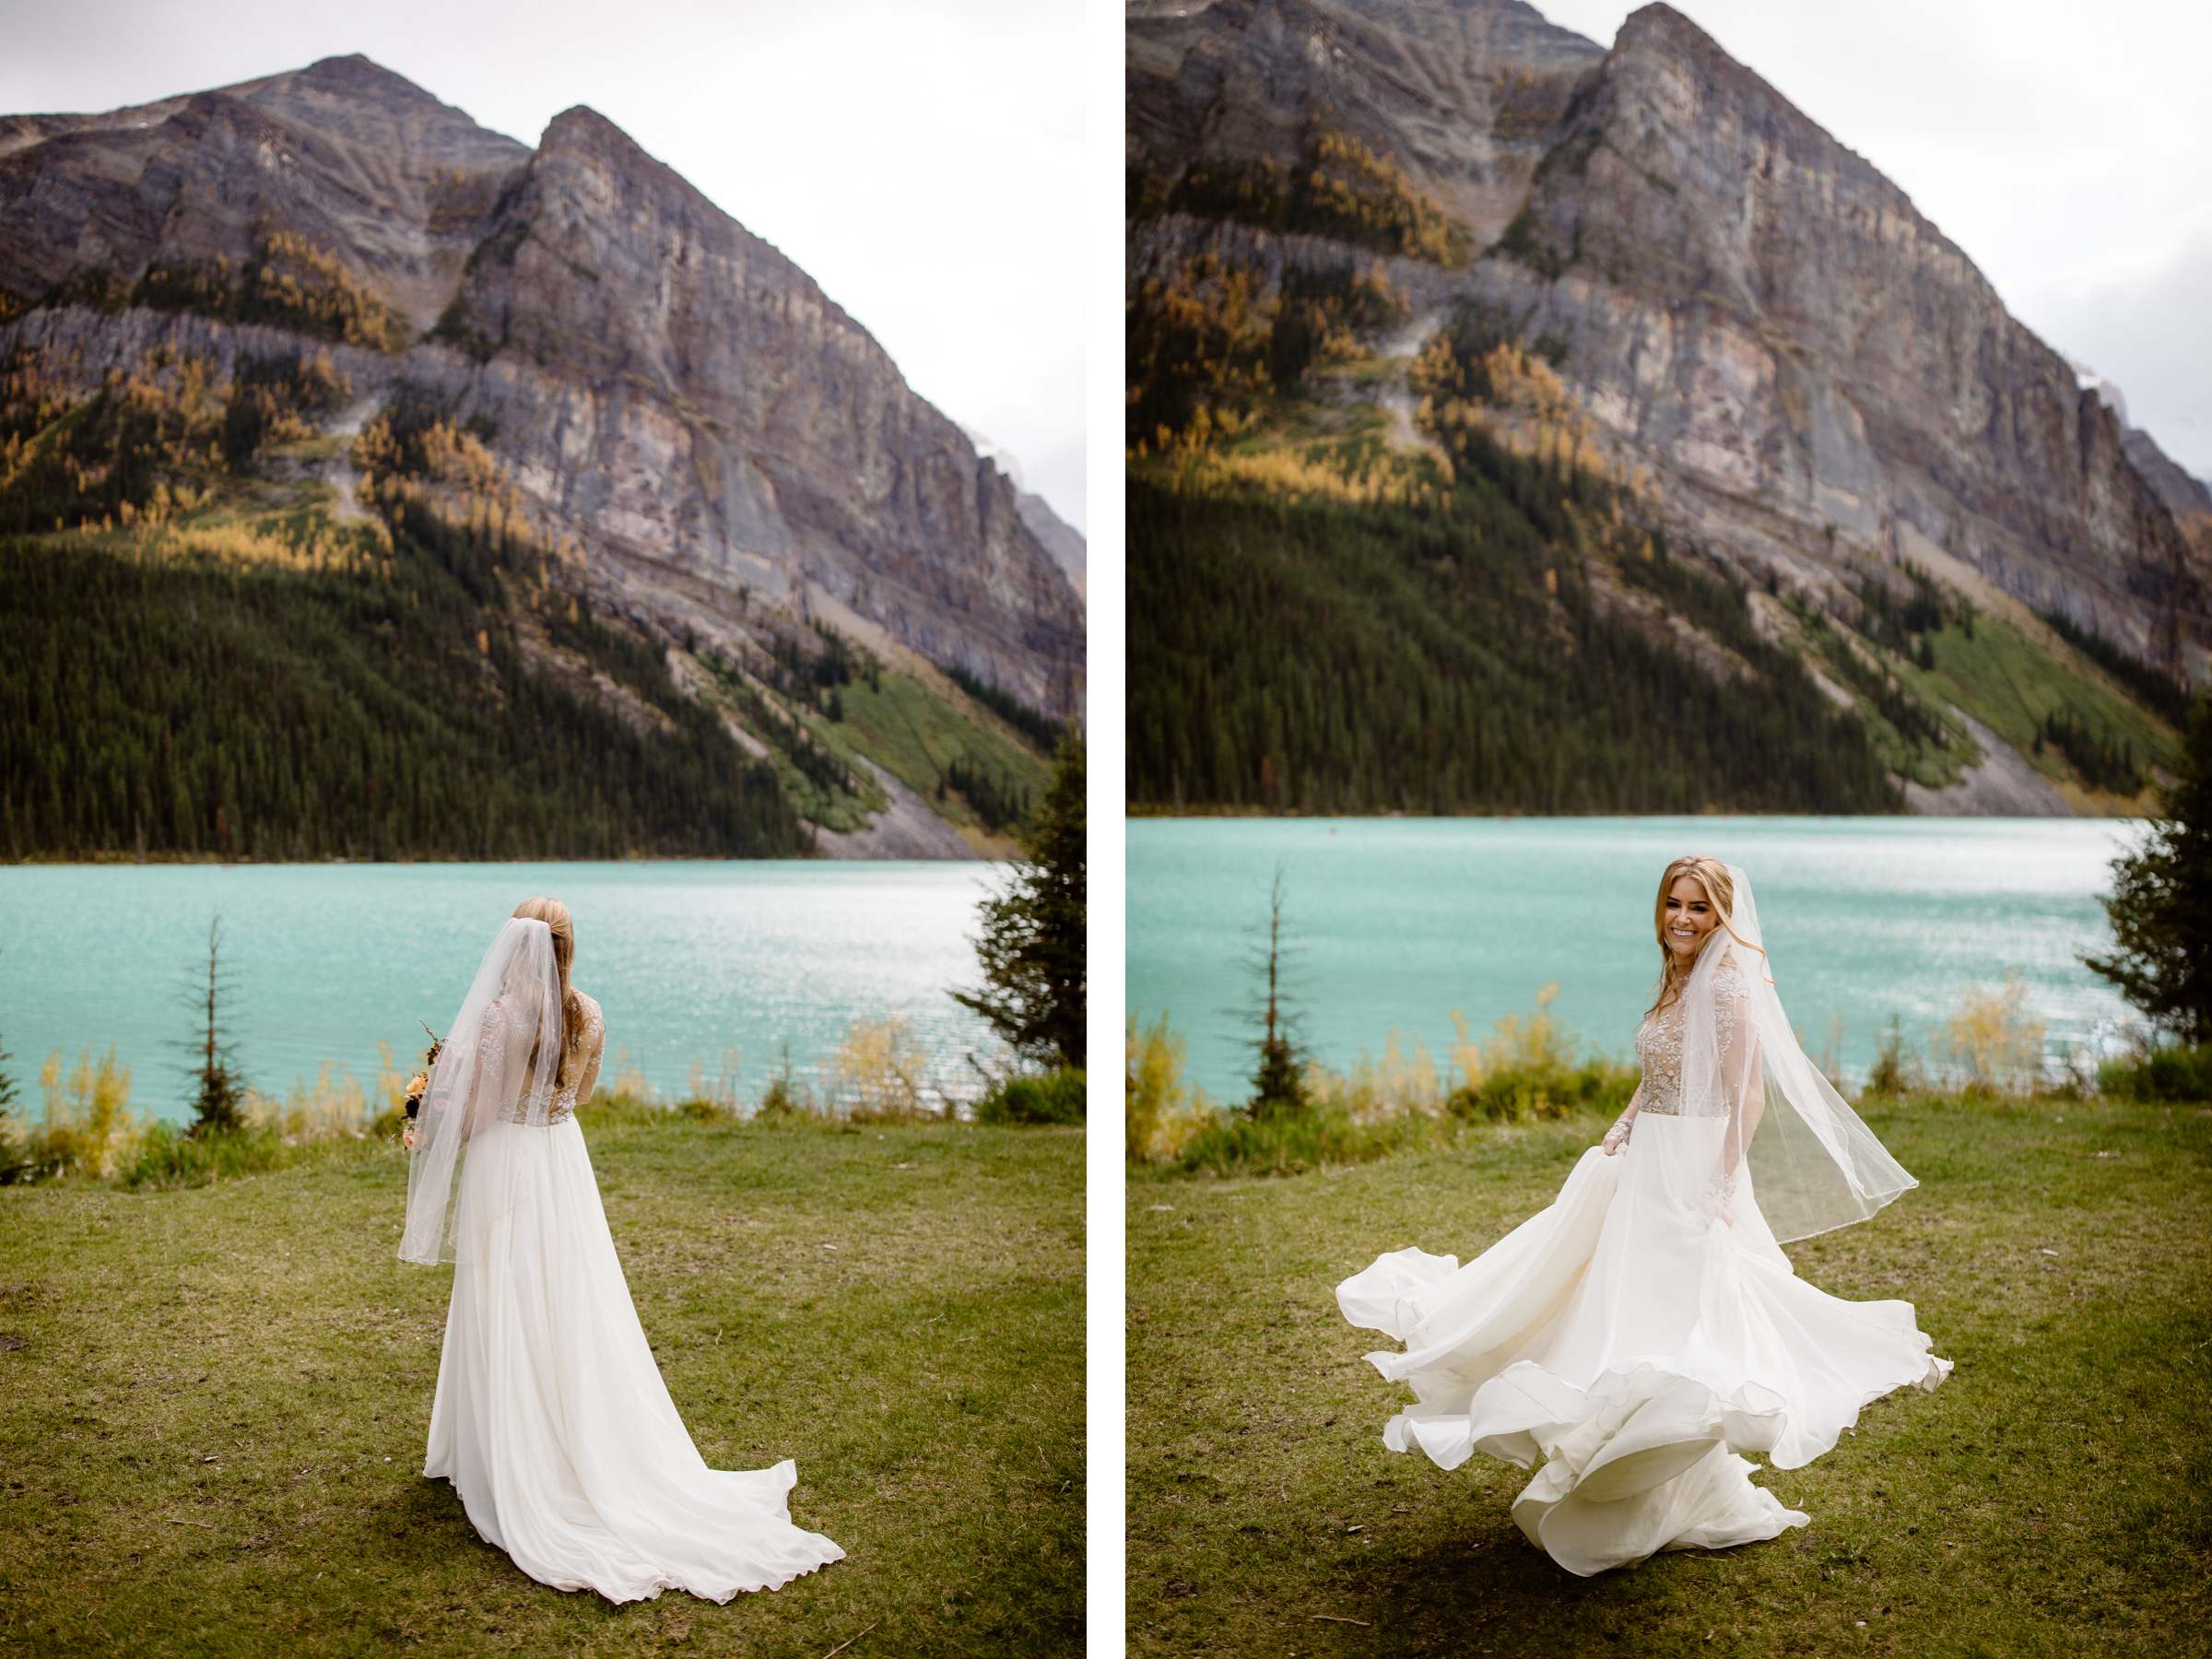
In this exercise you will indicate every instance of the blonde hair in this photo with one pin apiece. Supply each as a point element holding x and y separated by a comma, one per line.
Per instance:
<point>555,916</point>
<point>1713,875</point>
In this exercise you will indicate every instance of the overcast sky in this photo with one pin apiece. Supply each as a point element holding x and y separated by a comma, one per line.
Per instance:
<point>2067,149</point>
<point>919,158</point>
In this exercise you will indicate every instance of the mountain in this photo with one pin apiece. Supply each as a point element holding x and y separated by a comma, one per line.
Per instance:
<point>2186,496</point>
<point>1445,259</point>
<point>1054,533</point>
<point>1055,536</point>
<point>414,342</point>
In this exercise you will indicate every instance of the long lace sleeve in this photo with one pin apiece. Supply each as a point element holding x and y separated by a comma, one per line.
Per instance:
<point>594,1046</point>
<point>1618,1136</point>
<point>491,1070</point>
<point>1742,1079</point>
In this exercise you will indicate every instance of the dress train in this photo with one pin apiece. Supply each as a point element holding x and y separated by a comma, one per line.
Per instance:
<point>551,1417</point>
<point>1636,1344</point>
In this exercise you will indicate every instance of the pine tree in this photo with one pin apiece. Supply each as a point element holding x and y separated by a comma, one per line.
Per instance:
<point>1031,947</point>
<point>1278,1083</point>
<point>2160,904</point>
<point>217,1090</point>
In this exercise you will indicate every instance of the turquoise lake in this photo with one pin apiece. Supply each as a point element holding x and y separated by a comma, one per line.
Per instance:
<point>689,959</point>
<point>1397,922</point>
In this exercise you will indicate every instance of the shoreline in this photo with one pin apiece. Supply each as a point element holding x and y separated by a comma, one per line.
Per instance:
<point>1154,813</point>
<point>182,861</point>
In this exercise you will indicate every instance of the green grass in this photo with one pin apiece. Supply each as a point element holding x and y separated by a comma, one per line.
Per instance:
<point>1850,659</point>
<point>2009,682</point>
<point>915,733</point>
<point>915,730</point>
<point>214,1400</point>
<point>2050,1497</point>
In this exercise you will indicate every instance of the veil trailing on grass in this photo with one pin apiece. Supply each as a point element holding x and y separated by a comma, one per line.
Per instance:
<point>1812,1165</point>
<point>502,1057</point>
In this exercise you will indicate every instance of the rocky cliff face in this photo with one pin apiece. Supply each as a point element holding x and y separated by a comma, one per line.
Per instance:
<point>2187,496</point>
<point>1465,95</point>
<point>349,156</point>
<point>1057,536</point>
<point>1812,371</point>
<point>676,402</point>
<point>707,404</point>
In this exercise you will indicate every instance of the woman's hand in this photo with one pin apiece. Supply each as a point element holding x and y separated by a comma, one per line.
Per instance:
<point>406,1137</point>
<point>1616,1138</point>
<point>1719,1199</point>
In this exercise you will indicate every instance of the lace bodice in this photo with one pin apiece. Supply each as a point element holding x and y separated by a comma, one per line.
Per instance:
<point>1659,1045</point>
<point>492,1059</point>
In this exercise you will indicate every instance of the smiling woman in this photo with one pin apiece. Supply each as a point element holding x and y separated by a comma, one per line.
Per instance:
<point>1545,449</point>
<point>1646,1329</point>
<point>1685,914</point>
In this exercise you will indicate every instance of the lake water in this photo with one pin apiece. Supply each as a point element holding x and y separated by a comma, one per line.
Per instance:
<point>1397,923</point>
<point>687,959</point>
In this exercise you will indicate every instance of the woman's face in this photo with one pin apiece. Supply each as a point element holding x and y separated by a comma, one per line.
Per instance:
<point>1689,916</point>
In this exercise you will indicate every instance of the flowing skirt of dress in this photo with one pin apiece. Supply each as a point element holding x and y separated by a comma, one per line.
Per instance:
<point>1638,1345</point>
<point>551,1417</point>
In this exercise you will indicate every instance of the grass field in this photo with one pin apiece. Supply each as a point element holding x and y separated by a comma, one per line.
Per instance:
<point>2009,682</point>
<point>2050,1497</point>
<point>213,1400</point>
<point>917,731</point>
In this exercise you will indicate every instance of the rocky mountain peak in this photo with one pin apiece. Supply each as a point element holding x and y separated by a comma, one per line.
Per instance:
<point>354,74</point>
<point>357,101</point>
<point>582,125</point>
<point>1660,22</point>
<point>671,396</point>
<point>1657,37</point>
<point>1817,389</point>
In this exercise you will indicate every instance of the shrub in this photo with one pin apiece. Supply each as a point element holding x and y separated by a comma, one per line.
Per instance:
<point>1160,1112</point>
<point>1530,1070</point>
<point>879,1069</point>
<point>1897,1069</point>
<point>718,1092</point>
<point>87,1128</point>
<point>1285,1143</point>
<point>1993,1042</point>
<point>784,1100</point>
<point>1595,1085</point>
<point>87,1131</point>
<point>2160,1075</point>
<point>624,1078</point>
<point>1055,1097</point>
<point>707,1110</point>
<point>1376,1090</point>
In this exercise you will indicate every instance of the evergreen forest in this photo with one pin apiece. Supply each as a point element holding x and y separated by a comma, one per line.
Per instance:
<point>1373,572</point>
<point>202,656</point>
<point>1307,657</point>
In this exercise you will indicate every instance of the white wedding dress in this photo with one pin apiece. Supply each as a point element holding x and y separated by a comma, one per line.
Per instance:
<point>551,1419</point>
<point>1637,1336</point>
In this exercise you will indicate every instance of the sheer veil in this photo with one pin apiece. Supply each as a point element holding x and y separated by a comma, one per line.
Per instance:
<point>1810,1163</point>
<point>500,1058</point>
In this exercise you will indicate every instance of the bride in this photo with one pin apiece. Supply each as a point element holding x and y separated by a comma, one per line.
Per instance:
<point>550,1417</point>
<point>1646,1328</point>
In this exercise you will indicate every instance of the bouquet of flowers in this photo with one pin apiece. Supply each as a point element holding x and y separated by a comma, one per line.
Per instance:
<point>419,1085</point>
